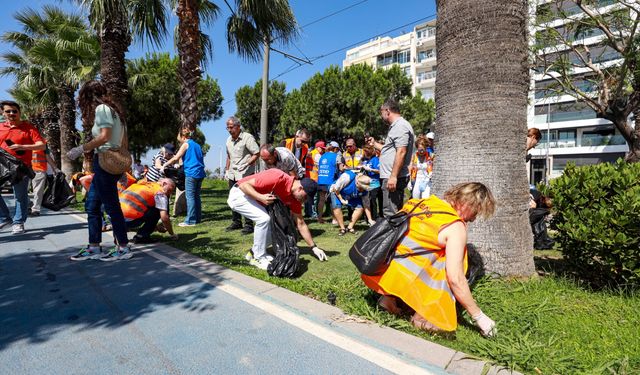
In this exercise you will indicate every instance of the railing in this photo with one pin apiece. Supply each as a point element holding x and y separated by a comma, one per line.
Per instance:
<point>602,140</point>
<point>565,116</point>
<point>426,76</point>
<point>422,58</point>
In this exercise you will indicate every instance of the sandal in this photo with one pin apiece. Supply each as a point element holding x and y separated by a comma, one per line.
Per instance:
<point>352,231</point>
<point>342,232</point>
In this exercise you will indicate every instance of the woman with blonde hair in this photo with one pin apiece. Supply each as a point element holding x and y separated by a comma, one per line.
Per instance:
<point>421,169</point>
<point>193,164</point>
<point>428,269</point>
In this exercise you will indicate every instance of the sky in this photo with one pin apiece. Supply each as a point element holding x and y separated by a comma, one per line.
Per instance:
<point>319,36</point>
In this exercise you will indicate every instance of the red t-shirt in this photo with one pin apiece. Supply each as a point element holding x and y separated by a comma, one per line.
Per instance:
<point>23,134</point>
<point>277,182</point>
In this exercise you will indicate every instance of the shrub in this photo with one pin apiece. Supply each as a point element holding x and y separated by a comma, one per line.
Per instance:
<point>597,215</point>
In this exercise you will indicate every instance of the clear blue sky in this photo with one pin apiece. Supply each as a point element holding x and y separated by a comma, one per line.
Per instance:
<point>365,20</point>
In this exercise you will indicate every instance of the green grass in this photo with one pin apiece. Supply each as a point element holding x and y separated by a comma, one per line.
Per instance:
<point>548,325</point>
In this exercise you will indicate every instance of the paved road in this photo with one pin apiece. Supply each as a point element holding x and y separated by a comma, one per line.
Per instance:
<point>152,315</point>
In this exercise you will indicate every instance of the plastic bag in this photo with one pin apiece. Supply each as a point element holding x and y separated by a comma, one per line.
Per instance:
<point>284,240</point>
<point>57,194</point>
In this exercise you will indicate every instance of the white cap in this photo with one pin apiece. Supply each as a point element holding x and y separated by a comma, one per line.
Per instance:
<point>431,135</point>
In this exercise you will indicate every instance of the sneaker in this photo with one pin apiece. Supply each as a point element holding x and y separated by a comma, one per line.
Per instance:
<point>249,256</point>
<point>186,225</point>
<point>262,262</point>
<point>234,226</point>
<point>86,253</point>
<point>247,230</point>
<point>334,222</point>
<point>5,223</point>
<point>17,229</point>
<point>117,254</point>
<point>371,222</point>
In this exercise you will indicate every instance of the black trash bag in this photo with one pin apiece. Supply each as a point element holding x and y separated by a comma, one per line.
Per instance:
<point>57,194</point>
<point>13,169</point>
<point>177,175</point>
<point>284,237</point>
<point>537,219</point>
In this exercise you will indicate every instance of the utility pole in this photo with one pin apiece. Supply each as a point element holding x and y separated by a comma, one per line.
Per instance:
<point>265,94</point>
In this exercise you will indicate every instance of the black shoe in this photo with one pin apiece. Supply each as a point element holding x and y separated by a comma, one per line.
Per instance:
<point>139,240</point>
<point>234,226</point>
<point>247,230</point>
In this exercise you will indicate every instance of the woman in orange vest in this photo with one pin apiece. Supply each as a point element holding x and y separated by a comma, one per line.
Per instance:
<point>428,270</point>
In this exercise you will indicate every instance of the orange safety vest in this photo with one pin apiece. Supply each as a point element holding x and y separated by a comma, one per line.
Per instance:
<point>39,161</point>
<point>137,199</point>
<point>352,161</point>
<point>414,162</point>
<point>290,142</point>
<point>417,273</point>
<point>125,181</point>
<point>313,171</point>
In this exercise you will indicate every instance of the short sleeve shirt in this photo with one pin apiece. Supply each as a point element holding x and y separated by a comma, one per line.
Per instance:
<point>161,201</point>
<point>239,151</point>
<point>107,118</point>
<point>275,181</point>
<point>288,162</point>
<point>22,134</point>
<point>400,135</point>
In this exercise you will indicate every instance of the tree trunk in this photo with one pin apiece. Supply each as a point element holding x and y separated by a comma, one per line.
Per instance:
<point>481,111</point>
<point>633,156</point>
<point>114,43</point>
<point>69,136</point>
<point>190,53</point>
<point>51,116</point>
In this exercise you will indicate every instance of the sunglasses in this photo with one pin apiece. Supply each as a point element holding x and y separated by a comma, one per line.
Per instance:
<point>12,111</point>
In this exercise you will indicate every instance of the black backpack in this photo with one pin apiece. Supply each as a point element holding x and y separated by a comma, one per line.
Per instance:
<point>373,250</point>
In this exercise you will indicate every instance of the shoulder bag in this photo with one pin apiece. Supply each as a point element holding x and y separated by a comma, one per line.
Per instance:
<point>117,161</point>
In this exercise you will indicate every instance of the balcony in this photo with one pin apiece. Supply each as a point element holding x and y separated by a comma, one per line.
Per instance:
<point>565,116</point>
<point>602,140</point>
<point>425,76</point>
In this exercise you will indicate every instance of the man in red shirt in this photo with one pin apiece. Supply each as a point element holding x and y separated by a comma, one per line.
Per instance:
<point>19,138</point>
<point>251,194</point>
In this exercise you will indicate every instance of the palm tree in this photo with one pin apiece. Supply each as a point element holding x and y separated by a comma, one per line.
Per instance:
<point>116,23</point>
<point>252,24</point>
<point>481,112</point>
<point>55,53</point>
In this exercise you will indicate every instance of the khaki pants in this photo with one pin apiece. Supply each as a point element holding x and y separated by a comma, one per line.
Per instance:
<point>38,184</point>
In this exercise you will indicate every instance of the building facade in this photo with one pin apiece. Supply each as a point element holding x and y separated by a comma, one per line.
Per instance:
<point>414,52</point>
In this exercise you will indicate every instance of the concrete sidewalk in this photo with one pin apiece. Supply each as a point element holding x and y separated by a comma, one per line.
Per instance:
<point>166,311</point>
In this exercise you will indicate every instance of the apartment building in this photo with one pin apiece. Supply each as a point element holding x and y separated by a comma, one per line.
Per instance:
<point>414,52</point>
<point>570,129</point>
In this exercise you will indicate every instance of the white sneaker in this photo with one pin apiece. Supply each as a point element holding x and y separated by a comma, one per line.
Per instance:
<point>5,223</point>
<point>262,262</point>
<point>371,222</point>
<point>87,253</point>
<point>17,229</point>
<point>248,256</point>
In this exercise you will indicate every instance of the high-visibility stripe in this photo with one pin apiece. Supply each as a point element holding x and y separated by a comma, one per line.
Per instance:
<point>134,205</point>
<point>424,277</point>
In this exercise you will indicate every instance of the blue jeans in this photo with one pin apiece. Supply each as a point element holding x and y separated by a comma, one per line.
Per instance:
<point>104,191</point>
<point>193,187</point>
<point>21,193</point>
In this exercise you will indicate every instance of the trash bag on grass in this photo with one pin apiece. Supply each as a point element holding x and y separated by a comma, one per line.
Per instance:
<point>284,239</point>
<point>57,194</point>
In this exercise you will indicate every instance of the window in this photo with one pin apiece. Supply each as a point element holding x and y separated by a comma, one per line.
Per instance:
<point>404,56</point>
<point>603,136</point>
<point>407,71</point>
<point>427,94</point>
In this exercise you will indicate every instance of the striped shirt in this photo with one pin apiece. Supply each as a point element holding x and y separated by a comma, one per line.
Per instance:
<point>154,174</point>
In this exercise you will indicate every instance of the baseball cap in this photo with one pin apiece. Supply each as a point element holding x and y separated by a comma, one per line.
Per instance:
<point>334,144</point>
<point>169,147</point>
<point>431,135</point>
<point>320,144</point>
<point>308,185</point>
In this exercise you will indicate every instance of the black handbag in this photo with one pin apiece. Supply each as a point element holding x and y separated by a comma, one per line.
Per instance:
<point>373,250</point>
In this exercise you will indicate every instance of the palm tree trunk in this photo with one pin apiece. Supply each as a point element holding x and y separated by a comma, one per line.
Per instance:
<point>481,111</point>
<point>114,43</point>
<point>68,134</point>
<point>190,52</point>
<point>51,116</point>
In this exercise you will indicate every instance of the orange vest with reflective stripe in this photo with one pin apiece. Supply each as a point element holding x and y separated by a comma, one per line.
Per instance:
<point>125,181</point>
<point>417,273</point>
<point>313,171</point>
<point>39,161</point>
<point>137,199</point>
<point>289,143</point>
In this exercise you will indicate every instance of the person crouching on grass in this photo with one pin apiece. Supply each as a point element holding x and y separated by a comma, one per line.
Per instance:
<point>428,270</point>
<point>251,194</point>
<point>348,191</point>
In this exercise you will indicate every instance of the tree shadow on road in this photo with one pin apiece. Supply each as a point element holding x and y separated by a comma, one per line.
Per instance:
<point>44,293</point>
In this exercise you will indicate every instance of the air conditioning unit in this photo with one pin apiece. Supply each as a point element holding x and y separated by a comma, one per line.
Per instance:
<point>419,43</point>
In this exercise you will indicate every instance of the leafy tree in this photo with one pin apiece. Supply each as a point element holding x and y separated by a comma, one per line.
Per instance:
<point>605,75</point>
<point>248,103</point>
<point>419,112</point>
<point>337,104</point>
<point>153,117</point>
